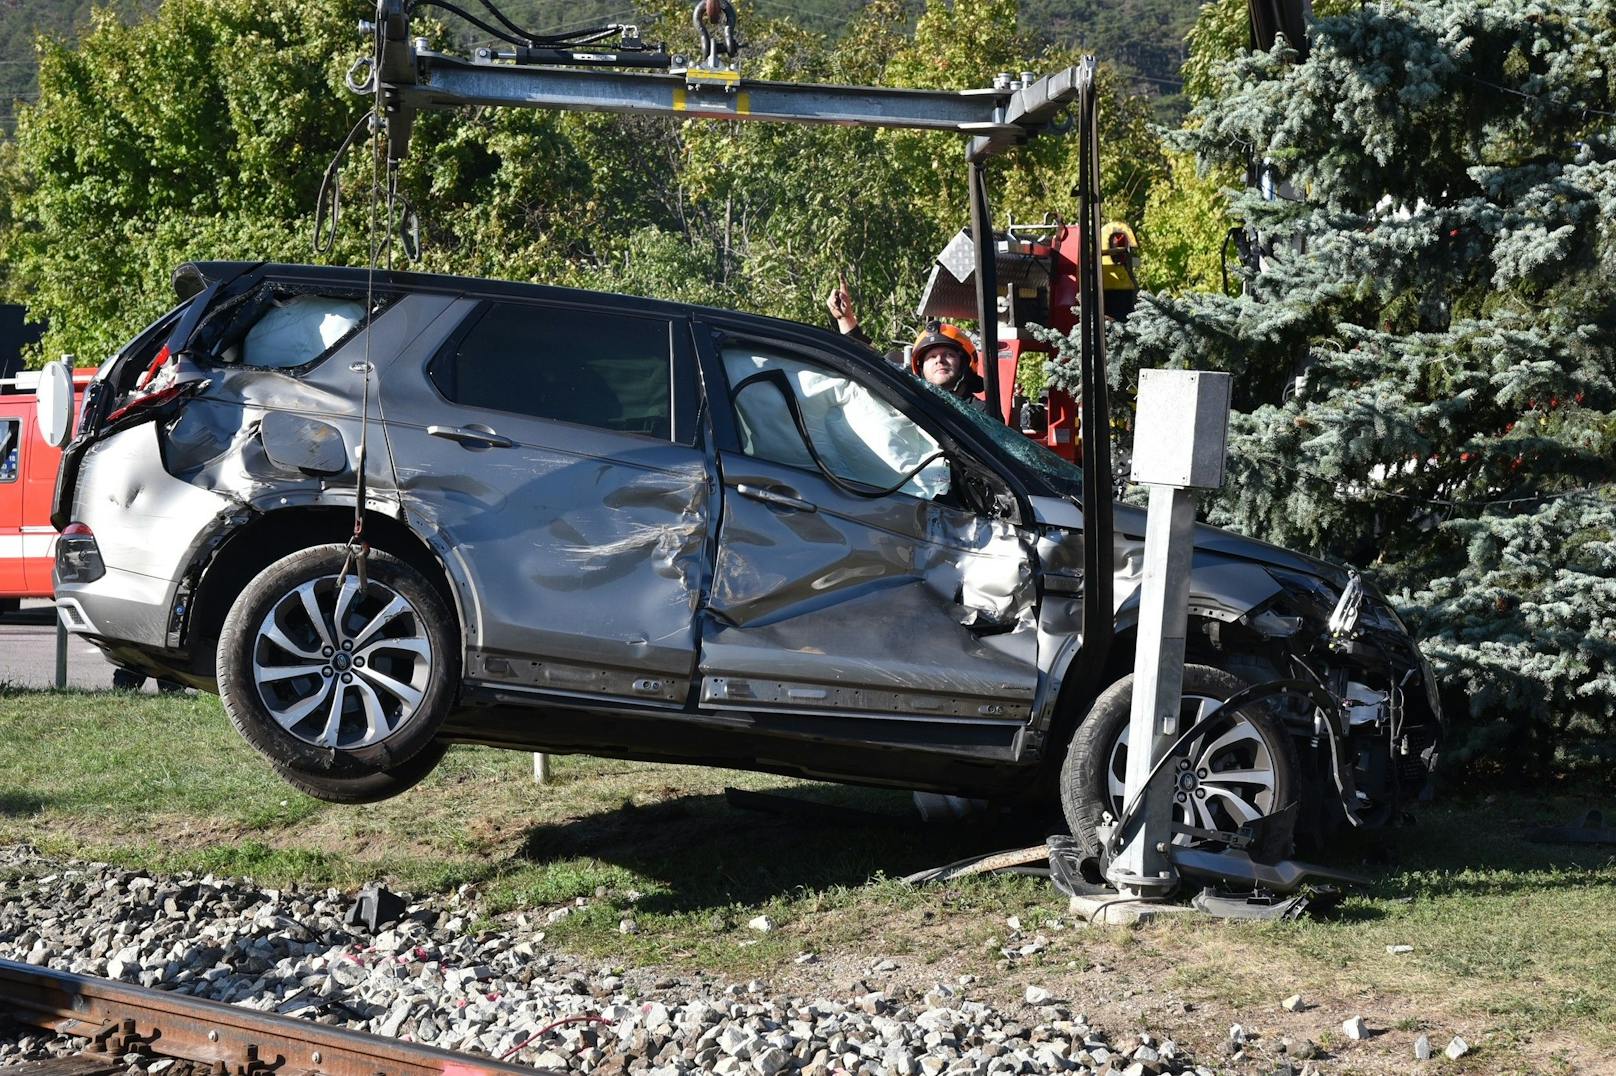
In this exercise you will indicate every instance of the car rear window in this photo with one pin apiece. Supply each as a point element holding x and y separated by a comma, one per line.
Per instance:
<point>298,329</point>
<point>612,372</point>
<point>281,326</point>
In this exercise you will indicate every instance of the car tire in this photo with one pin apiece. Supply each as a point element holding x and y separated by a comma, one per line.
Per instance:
<point>1096,757</point>
<point>372,787</point>
<point>342,691</point>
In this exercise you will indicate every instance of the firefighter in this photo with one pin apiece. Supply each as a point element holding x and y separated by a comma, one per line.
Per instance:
<point>944,356</point>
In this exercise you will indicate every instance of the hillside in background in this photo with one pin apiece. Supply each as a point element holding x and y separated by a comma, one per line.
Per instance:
<point>1143,38</point>
<point>21,21</point>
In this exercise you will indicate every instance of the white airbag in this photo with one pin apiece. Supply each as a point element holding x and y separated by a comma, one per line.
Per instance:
<point>859,435</point>
<point>299,329</point>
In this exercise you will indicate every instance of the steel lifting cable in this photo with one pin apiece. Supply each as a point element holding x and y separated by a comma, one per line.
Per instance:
<point>358,550</point>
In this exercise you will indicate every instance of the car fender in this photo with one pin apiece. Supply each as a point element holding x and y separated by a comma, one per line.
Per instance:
<point>263,509</point>
<point>1221,589</point>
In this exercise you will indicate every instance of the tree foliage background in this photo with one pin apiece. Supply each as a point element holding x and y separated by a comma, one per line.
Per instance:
<point>202,131</point>
<point>1425,364</point>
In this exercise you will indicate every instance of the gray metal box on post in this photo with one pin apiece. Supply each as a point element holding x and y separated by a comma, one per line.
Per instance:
<point>1181,433</point>
<point>1181,428</point>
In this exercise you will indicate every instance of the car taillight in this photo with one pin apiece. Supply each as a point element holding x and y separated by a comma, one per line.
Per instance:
<point>150,400</point>
<point>151,371</point>
<point>78,558</point>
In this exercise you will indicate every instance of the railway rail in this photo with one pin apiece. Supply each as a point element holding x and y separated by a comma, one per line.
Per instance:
<point>225,1040</point>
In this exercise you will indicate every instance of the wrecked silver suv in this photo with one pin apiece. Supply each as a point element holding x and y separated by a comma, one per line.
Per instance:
<point>648,530</point>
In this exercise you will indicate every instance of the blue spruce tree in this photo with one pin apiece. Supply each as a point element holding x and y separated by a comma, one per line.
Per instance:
<point>1424,359</point>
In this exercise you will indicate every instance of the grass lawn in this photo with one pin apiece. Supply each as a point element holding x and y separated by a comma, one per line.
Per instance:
<point>1515,943</point>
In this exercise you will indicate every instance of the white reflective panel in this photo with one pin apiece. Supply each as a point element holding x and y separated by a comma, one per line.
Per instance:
<point>53,402</point>
<point>859,435</point>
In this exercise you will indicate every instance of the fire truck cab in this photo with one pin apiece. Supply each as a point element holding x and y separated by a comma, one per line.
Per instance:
<point>27,483</point>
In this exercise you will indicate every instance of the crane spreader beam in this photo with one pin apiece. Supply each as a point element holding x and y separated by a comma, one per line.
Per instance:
<point>413,78</point>
<point>449,82</point>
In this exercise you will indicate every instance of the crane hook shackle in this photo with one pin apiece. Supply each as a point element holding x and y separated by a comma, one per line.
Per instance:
<point>712,11</point>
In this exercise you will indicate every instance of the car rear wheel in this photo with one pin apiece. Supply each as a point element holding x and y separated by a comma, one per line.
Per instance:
<point>1243,767</point>
<point>342,688</point>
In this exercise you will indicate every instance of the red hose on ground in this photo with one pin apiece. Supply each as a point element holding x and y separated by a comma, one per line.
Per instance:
<point>547,1028</point>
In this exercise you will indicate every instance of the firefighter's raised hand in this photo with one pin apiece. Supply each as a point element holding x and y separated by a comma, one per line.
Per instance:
<point>840,304</point>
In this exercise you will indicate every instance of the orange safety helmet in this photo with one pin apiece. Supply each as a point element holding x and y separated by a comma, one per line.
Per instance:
<point>941,332</point>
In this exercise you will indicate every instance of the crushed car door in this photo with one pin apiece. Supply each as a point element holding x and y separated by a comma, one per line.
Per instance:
<point>550,448</point>
<point>853,575</point>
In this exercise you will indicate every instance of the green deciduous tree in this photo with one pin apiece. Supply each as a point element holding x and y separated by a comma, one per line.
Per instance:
<point>1440,278</point>
<point>200,132</point>
<point>1186,222</point>
<point>203,132</point>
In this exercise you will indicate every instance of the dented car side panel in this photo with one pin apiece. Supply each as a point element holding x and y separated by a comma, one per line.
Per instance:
<point>584,548</point>
<point>149,521</point>
<point>899,606</point>
<point>195,478</point>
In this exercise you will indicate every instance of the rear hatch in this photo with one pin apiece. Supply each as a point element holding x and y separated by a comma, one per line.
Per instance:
<point>150,375</point>
<point>232,316</point>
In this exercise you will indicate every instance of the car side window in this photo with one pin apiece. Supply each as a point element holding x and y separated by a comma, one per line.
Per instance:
<point>299,329</point>
<point>552,362</point>
<point>277,329</point>
<point>858,436</point>
<point>10,433</point>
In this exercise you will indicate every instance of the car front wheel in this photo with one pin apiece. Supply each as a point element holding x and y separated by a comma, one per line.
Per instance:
<point>342,687</point>
<point>1243,767</point>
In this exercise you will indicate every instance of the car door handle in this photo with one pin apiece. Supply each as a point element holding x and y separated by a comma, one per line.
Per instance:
<point>472,436</point>
<point>779,500</point>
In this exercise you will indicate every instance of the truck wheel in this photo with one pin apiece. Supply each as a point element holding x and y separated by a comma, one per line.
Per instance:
<point>342,690</point>
<point>1242,768</point>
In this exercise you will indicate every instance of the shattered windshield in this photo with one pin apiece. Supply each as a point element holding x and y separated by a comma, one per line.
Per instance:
<point>1062,474</point>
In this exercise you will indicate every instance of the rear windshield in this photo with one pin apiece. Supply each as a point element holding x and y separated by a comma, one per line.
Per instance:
<point>139,352</point>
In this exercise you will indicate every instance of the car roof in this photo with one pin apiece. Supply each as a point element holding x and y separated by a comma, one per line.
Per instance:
<point>192,277</point>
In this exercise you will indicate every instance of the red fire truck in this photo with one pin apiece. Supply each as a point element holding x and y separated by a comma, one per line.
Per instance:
<point>27,482</point>
<point>1036,270</point>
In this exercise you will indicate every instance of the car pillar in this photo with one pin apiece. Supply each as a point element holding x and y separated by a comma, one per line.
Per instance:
<point>1180,440</point>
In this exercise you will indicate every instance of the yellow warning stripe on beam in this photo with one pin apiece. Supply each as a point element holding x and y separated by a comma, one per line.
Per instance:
<point>734,104</point>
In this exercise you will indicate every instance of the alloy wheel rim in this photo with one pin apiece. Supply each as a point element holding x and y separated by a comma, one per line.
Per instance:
<point>1226,779</point>
<point>339,667</point>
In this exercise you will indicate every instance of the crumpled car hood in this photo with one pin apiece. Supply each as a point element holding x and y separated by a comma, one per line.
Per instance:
<point>1130,523</point>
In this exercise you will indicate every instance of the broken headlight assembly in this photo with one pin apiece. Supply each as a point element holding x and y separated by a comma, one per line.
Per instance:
<point>1344,612</point>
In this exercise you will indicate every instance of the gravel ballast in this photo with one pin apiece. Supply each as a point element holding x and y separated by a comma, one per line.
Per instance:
<point>426,978</point>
